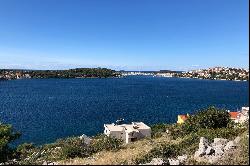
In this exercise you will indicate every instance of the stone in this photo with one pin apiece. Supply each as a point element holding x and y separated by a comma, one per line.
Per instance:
<point>201,151</point>
<point>182,158</point>
<point>43,152</point>
<point>218,151</point>
<point>220,141</point>
<point>213,159</point>
<point>230,145</point>
<point>155,161</point>
<point>203,142</point>
<point>209,150</point>
<point>237,140</point>
<point>85,138</point>
<point>173,162</point>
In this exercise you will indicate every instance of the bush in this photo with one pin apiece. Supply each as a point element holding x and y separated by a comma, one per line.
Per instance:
<point>103,142</point>
<point>158,128</point>
<point>211,118</point>
<point>24,149</point>
<point>7,135</point>
<point>162,151</point>
<point>73,147</point>
<point>228,133</point>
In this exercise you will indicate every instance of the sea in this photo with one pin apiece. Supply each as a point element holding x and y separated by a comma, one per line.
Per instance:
<point>44,110</point>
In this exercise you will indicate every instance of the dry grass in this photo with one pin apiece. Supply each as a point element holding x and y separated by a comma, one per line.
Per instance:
<point>129,153</point>
<point>126,155</point>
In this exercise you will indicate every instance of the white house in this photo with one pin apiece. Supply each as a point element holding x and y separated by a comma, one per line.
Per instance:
<point>240,116</point>
<point>128,132</point>
<point>244,114</point>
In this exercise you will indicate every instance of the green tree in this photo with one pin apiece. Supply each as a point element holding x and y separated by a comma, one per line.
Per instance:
<point>7,135</point>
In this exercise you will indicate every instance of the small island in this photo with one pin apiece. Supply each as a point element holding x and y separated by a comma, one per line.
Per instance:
<point>10,74</point>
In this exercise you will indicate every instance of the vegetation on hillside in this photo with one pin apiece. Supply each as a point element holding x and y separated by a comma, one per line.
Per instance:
<point>7,135</point>
<point>71,73</point>
<point>168,140</point>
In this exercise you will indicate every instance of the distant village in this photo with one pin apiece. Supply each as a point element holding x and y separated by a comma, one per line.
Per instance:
<point>216,73</point>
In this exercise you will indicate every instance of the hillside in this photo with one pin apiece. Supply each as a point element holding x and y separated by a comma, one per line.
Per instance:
<point>208,137</point>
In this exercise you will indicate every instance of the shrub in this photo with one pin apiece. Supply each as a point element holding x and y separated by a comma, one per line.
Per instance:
<point>73,147</point>
<point>163,151</point>
<point>24,149</point>
<point>228,133</point>
<point>158,128</point>
<point>103,142</point>
<point>209,118</point>
<point>7,135</point>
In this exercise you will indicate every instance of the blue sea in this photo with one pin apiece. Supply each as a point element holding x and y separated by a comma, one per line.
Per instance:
<point>44,110</point>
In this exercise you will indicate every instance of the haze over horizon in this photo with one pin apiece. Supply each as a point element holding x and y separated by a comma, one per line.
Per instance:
<point>124,35</point>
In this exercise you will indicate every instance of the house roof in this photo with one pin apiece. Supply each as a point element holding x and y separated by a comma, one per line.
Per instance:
<point>128,127</point>
<point>183,117</point>
<point>113,127</point>
<point>234,115</point>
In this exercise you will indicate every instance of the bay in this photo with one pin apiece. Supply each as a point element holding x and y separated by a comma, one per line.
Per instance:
<point>44,110</point>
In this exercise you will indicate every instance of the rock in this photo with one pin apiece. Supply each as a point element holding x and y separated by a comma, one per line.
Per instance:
<point>86,139</point>
<point>182,158</point>
<point>200,152</point>
<point>218,151</point>
<point>220,141</point>
<point>230,145</point>
<point>213,159</point>
<point>209,150</point>
<point>237,140</point>
<point>173,162</point>
<point>203,142</point>
<point>155,161</point>
<point>202,147</point>
<point>43,152</point>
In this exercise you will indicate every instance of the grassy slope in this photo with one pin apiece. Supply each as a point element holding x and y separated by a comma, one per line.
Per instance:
<point>131,152</point>
<point>127,155</point>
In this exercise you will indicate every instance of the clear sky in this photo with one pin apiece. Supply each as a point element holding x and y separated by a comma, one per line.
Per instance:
<point>124,34</point>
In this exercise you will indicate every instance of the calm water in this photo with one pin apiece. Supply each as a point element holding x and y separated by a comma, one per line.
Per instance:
<point>47,109</point>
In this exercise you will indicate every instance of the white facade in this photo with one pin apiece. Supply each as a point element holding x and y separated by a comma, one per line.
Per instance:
<point>128,132</point>
<point>244,114</point>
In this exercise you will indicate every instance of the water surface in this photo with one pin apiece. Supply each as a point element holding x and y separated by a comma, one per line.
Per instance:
<point>47,109</point>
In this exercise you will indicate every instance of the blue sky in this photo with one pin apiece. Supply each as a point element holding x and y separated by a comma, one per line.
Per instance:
<point>124,34</point>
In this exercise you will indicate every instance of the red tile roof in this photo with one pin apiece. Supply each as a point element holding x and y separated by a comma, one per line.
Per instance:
<point>234,115</point>
<point>183,117</point>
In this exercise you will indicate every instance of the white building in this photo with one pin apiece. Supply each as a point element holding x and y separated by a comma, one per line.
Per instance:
<point>128,132</point>
<point>244,114</point>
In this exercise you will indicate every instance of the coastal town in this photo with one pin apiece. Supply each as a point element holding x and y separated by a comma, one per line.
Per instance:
<point>215,73</point>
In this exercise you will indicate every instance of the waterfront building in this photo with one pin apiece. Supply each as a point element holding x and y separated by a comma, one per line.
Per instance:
<point>182,118</point>
<point>240,116</point>
<point>128,132</point>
